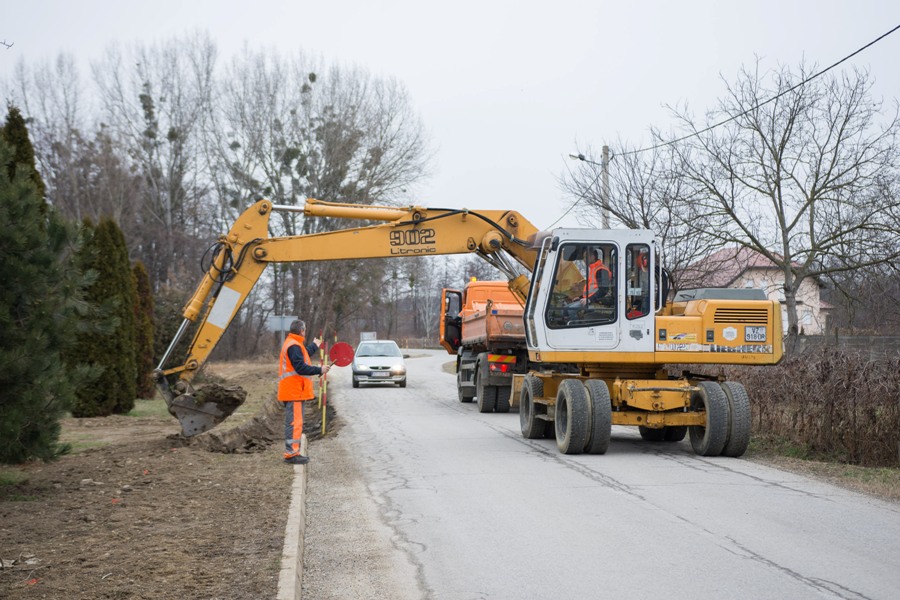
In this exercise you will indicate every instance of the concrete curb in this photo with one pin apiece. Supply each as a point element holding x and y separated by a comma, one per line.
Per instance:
<point>291,575</point>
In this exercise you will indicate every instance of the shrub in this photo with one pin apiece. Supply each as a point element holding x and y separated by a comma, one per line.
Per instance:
<point>835,404</point>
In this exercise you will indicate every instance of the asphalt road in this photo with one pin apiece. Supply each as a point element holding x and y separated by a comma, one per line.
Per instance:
<point>421,496</point>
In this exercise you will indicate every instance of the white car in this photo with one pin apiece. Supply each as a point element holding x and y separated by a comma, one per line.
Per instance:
<point>379,361</point>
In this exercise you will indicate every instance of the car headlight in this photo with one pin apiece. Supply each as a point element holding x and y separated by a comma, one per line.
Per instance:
<point>398,370</point>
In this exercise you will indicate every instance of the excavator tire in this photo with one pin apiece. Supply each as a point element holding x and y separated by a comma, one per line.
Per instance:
<point>709,440</point>
<point>675,434</point>
<point>572,418</point>
<point>600,408</point>
<point>532,427</point>
<point>652,435</point>
<point>739,419</point>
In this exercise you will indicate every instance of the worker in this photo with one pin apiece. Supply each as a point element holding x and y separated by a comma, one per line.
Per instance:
<point>295,387</point>
<point>599,281</point>
<point>597,285</point>
<point>639,299</point>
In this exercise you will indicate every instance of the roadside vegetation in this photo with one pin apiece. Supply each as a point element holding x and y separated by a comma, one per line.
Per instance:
<point>828,404</point>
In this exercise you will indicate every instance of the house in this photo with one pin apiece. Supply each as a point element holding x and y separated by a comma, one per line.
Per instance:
<point>745,268</point>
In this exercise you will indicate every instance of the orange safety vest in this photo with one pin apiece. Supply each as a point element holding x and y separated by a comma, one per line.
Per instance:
<point>291,385</point>
<point>593,285</point>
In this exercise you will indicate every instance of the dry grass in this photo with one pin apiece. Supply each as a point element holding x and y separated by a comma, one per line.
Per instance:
<point>880,482</point>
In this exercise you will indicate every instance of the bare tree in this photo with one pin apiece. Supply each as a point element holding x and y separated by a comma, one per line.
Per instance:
<point>154,100</point>
<point>867,300</point>
<point>86,173</point>
<point>803,174</point>
<point>645,192</point>
<point>290,130</point>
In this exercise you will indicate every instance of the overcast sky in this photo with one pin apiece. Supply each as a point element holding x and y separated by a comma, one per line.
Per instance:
<point>505,89</point>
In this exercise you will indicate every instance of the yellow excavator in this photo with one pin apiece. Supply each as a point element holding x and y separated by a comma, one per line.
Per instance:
<point>599,327</point>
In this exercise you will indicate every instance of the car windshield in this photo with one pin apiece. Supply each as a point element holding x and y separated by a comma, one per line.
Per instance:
<point>378,349</point>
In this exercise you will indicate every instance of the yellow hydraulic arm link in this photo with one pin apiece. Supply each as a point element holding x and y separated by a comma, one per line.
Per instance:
<point>245,251</point>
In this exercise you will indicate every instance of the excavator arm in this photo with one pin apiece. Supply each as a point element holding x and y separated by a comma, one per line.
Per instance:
<point>242,255</point>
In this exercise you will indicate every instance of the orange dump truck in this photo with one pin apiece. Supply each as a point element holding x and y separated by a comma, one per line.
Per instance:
<point>483,327</point>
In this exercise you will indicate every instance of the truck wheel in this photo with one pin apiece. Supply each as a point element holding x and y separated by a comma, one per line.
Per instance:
<point>503,397</point>
<point>463,395</point>
<point>709,440</point>
<point>600,407</point>
<point>487,394</point>
<point>675,434</point>
<point>572,419</point>
<point>487,398</point>
<point>739,419</point>
<point>532,427</point>
<point>652,435</point>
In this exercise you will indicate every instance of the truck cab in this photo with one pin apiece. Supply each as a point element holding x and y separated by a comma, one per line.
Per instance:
<point>482,325</point>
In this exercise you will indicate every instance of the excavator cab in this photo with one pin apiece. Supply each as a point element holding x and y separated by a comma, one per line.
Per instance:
<point>587,294</point>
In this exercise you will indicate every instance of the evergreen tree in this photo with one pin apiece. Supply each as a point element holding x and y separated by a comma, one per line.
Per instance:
<point>121,287</point>
<point>143,331</point>
<point>105,256</point>
<point>92,399</point>
<point>15,132</point>
<point>40,308</point>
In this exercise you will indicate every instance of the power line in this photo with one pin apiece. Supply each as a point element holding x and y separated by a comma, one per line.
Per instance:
<point>580,197</point>
<point>772,99</point>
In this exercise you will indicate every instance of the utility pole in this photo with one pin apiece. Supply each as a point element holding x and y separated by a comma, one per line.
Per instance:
<point>604,186</point>
<point>604,182</point>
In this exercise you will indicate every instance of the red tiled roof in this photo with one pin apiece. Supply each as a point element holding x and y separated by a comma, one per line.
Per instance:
<point>725,266</point>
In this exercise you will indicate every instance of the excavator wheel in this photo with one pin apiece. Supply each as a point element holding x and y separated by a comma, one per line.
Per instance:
<point>572,418</point>
<point>675,434</point>
<point>652,435</point>
<point>532,427</point>
<point>739,419</point>
<point>600,409</point>
<point>710,439</point>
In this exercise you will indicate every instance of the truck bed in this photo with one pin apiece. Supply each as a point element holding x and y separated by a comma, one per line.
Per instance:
<point>491,325</point>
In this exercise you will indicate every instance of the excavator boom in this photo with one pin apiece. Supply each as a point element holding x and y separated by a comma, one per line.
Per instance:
<point>244,252</point>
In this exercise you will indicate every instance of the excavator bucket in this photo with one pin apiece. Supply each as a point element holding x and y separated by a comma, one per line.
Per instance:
<point>203,409</point>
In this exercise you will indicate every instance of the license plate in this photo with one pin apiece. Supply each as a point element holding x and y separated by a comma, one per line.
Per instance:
<point>381,374</point>
<point>755,333</point>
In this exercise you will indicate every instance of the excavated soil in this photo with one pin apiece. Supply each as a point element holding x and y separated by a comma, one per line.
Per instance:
<point>138,512</point>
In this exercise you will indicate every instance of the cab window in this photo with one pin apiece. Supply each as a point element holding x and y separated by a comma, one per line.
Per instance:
<point>584,286</point>
<point>637,281</point>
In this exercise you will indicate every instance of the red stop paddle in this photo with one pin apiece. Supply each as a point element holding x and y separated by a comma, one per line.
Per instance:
<point>341,354</point>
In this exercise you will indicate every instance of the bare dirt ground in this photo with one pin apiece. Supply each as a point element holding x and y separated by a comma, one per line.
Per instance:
<point>137,513</point>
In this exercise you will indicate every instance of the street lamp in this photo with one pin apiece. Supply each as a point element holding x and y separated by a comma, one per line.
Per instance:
<point>604,185</point>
